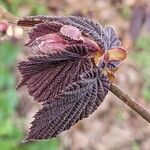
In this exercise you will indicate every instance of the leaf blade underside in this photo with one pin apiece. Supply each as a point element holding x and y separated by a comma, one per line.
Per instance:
<point>77,101</point>
<point>87,27</point>
<point>46,75</point>
<point>61,73</point>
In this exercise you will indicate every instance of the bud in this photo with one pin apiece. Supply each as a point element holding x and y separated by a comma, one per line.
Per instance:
<point>3,27</point>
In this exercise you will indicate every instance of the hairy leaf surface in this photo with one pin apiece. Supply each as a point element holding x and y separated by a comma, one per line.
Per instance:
<point>46,75</point>
<point>65,72</point>
<point>77,101</point>
<point>88,27</point>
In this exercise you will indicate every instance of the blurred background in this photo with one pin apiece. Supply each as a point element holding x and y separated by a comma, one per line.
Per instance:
<point>113,126</point>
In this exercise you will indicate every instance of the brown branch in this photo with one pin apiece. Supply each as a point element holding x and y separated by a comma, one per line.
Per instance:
<point>133,104</point>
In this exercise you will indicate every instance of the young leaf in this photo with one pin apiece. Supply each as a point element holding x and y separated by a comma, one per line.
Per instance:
<point>46,75</point>
<point>77,101</point>
<point>63,74</point>
<point>114,54</point>
<point>87,27</point>
<point>42,29</point>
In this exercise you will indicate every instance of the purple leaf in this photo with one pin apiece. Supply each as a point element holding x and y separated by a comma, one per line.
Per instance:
<point>111,36</point>
<point>49,43</point>
<point>87,27</point>
<point>115,53</point>
<point>46,75</point>
<point>44,28</point>
<point>62,73</point>
<point>77,101</point>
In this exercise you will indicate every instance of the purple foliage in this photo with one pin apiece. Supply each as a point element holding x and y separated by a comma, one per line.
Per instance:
<point>61,73</point>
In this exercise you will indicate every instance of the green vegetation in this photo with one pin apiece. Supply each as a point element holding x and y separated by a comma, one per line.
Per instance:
<point>15,5</point>
<point>135,146</point>
<point>142,57</point>
<point>11,126</point>
<point>125,12</point>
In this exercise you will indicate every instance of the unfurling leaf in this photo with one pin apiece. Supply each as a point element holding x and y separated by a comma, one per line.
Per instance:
<point>43,29</point>
<point>70,70</point>
<point>77,101</point>
<point>46,75</point>
<point>88,28</point>
<point>118,54</point>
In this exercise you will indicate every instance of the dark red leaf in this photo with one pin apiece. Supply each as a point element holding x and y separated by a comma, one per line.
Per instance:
<point>45,76</point>
<point>89,28</point>
<point>62,73</point>
<point>43,29</point>
<point>77,101</point>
